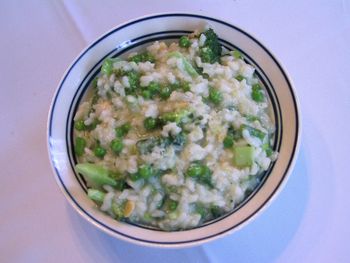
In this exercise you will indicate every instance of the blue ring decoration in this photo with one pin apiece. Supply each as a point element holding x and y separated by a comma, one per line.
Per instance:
<point>174,15</point>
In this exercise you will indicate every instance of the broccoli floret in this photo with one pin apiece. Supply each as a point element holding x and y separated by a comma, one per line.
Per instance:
<point>134,79</point>
<point>210,52</point>
<point>142,57</point>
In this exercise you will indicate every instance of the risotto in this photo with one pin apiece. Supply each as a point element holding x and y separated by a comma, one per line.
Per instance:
<point>175,135</point>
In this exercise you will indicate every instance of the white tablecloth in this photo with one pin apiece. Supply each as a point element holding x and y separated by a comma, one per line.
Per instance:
<point>308,222</point>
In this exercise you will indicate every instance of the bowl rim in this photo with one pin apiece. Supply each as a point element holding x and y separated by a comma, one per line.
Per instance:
<point>214,236</point>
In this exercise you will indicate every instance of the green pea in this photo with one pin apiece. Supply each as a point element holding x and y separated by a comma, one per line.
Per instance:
<point>194,170</point>
<point>257,93</point>
<point>80,144</point>
<point>146,94</point>
<point>122,130</point>
<point>215,96</point>
<point>205,177</point>
<point>150,123</point>
<point>184,42</point>
<point>79,125</point>
<point>228,141</point>
<point>165,92</point>
<point>145,171</point>
<point>100,152</point>
<point>117,145</point>
<point>239,77</point>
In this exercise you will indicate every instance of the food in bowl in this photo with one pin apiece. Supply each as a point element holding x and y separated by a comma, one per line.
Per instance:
<point>175,135</point>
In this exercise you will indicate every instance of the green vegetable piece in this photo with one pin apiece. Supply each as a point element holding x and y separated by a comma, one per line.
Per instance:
<point>80,144</point>
<point>142,57</point>
<point>179,140</point>
<point>189,68</point>
<point>186,63</point>
<point>120,184</point>
<point>107,66</point>
<point>170,205</point>
<point>243,156</point>
<point>185,86</point>
<point>202,210</point>
<point>237,55</point>
<point>100,151</point>
<point>216,211</point>
<point>135,176</point>
<point>215,96</point>
<point>252,118</point>
<point>94,174</point>
<point>239,77</point>
<point>165,92</point>
<point>228,141</point>
<point>117,145</point>
<point>118,210</point>
<point>145,146</point>
<point>184,42</point>
<point>267,148</point>
<point>254,132</point>
<point>205,177</point>
<point>211,50</point>
<point>201,173</point>
<point>146,94</point>
<point>147,217</point>
<point>175,86</point>
<point>94,83</point>
<point>154,88</point>
<point>169,117</point>
<point>150,123</point>
<point>123,130</point>
<point>96,195</point>
<point>180,116</point>
<point>195,170</point>
<point>119,179</point>
<point>257,93</point>
<point>145,171</point>
<point>79,125</point>
<point>134,80</point>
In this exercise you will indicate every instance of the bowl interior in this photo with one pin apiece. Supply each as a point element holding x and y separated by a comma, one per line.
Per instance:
<point>134,36</point>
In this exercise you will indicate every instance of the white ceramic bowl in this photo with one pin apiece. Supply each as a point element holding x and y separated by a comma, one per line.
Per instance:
<point>134,35</point>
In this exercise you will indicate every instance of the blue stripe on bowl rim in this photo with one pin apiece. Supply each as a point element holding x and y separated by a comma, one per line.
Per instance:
<point>176,15</point>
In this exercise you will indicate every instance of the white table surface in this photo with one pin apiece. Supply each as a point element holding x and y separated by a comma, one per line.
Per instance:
<point>308,222</point>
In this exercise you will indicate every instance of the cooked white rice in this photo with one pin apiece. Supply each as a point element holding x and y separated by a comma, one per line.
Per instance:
<point>172,198</point>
